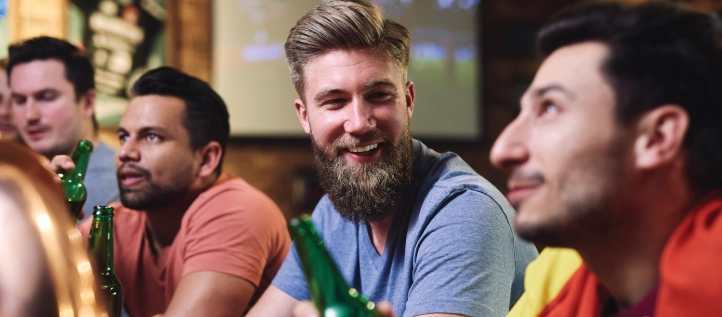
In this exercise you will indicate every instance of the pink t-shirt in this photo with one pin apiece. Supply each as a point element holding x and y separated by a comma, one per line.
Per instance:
<point>230,228</point>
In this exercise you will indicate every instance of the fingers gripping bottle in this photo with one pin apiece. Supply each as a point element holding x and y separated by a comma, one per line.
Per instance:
<point>72,181</point>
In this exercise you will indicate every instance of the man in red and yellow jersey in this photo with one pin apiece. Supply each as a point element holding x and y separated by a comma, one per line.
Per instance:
<point>616,156</point>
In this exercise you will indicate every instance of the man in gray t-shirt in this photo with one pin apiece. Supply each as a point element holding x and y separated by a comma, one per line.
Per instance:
<point>53,102</point>
<point>406,225</point>
<point>450,247</point>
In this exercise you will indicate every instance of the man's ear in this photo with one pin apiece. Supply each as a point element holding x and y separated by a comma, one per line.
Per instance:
<point>89,105</point>
<point>210,157</point>
<point>661,136</point>
<point>410,96</point>
<point>302,114</point>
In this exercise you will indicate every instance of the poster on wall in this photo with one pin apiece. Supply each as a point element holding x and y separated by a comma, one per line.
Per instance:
<point>123,39</point>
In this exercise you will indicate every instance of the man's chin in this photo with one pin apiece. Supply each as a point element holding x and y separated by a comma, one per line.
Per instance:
<point>546,234</point>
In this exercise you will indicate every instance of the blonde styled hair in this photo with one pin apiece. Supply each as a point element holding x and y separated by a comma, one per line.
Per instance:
<point>350,24</point>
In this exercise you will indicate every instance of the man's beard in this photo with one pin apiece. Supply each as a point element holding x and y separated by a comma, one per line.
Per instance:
<point>152,195</point>
<point>365,192</point>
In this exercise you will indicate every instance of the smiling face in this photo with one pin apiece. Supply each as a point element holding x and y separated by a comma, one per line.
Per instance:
<point>570,161</point>
<point>49,117</point>
<point>156,165</point>
<point>357,108</point>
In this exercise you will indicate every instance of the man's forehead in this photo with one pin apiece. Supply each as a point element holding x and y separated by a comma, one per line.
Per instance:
<point>350,58</point>
<point>39,74</point>
<point>569,69</point>
<point>153,110</point>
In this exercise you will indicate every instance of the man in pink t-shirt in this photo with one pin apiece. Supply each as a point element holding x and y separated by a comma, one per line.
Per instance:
<point>190,240</point>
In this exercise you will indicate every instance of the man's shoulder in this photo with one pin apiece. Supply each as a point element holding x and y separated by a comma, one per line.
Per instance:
<point>445,175</point>
<point>229,187</point>
<point>102,164</point>
<point>445,169</point>
<point>231,195</point>
<point>102,155</point>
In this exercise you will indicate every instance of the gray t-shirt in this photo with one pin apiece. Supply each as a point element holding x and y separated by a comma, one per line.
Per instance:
<point>450,249</point>
<point>101,179</point>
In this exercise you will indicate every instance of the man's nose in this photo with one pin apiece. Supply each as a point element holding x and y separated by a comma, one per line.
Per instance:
<point>31,111</point>
<point>510,148</point>
<point>360,118</point>
<point>128,151</point>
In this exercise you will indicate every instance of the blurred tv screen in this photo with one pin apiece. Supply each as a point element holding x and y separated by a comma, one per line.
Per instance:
<point>250,72</point>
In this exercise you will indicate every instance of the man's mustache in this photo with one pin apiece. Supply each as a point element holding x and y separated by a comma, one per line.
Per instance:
<point>347,141</point>
<point>130,166</point>
<point>526,178</point>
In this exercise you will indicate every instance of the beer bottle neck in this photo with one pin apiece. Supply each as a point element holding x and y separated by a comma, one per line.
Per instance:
<point>100,243</point>
<point>326,284</point>
<point>80,157</point>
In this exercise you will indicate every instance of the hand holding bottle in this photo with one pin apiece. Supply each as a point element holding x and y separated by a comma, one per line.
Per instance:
<point>59,164</point>
<point>71,177</point>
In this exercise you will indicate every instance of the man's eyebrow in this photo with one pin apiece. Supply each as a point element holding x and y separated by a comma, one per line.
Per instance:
<point>538,92</point>
<point>380,82</point>
<point>154,128</point>
<point>322,94</point>
<point>146,129</point>
<point>35,93</point>
<point>44,91</point>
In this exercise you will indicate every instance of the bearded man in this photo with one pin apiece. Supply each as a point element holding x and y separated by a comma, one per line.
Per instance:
<point>405,224</point>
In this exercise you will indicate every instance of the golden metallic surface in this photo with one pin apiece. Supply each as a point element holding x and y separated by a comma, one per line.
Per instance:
<point>44,268</point>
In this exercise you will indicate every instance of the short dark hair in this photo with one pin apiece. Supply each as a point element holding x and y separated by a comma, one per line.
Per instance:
<point>206,115</point>
<point>660,53</point>
<point>78,70</point>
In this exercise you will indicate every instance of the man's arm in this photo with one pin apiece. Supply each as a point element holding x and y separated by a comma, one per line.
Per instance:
<point>465,264</point>
<point>273,302</point>
<point>209,293</point>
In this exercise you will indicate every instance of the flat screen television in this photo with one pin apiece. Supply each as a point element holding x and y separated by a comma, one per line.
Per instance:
<point>250,73</point>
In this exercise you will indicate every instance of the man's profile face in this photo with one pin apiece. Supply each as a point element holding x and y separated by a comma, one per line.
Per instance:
<point>155,162</point>
<point>46,111</point>
<point>356,107</point>
<point>570,161</point>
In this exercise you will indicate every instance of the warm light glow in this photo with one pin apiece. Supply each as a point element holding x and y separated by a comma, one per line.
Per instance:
<point>75,235</point>
<point>84,267</point>
<point>65,310</point>
<point>43,222</point>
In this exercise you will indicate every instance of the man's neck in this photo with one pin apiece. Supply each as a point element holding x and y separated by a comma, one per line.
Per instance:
<point>379,231</point>
<point>626,260</point>
<point>164,223</point>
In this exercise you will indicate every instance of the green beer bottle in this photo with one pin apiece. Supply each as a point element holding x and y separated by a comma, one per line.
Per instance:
<point>100,244</point>
<point>72,181</point>
<point>329,291</point>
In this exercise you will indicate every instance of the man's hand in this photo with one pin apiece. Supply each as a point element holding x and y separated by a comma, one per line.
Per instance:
<point>306,309</point>
<point>61,163</point>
